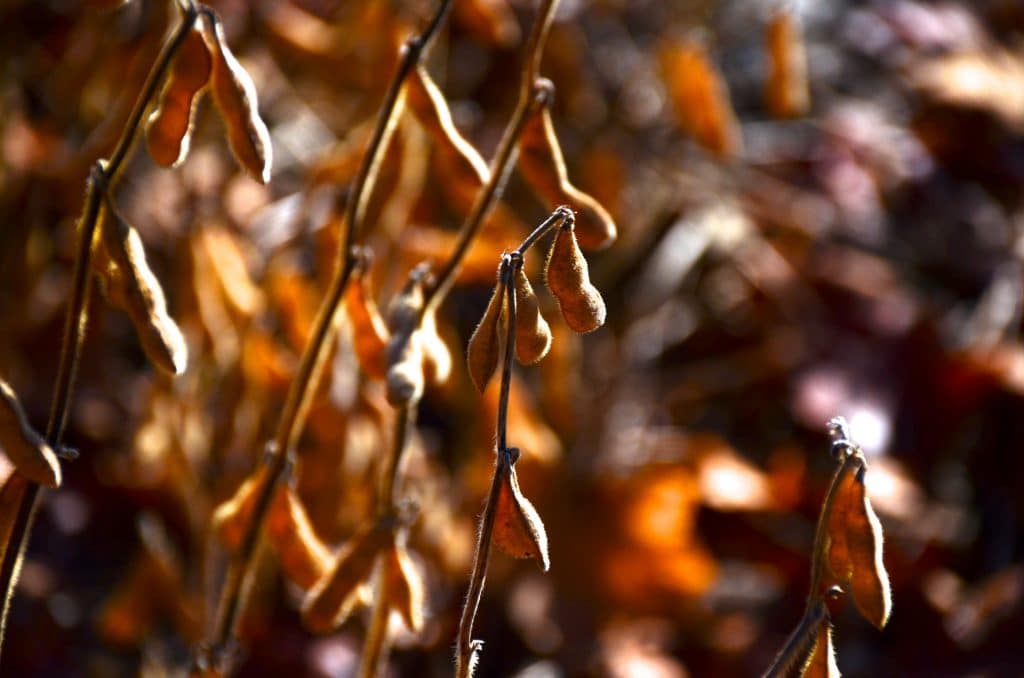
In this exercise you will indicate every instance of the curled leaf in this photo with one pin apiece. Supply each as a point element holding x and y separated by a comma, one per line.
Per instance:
<point>169,127</point>
<point>518,529</point>
<point>568,278</point>
<point>533,335</point>
<point>304,558</point>
<point>543,167</point>
<point>332,599</point>
<point>484,348</point>
<point>786,92</point>
<point>369,333</point>
<point>405,589</point>
<point>235,95</point>
<point>26,449</point>
<point>130,285</point>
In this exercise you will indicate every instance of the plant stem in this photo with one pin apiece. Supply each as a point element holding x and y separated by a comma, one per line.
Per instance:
<point>799,642</point>
<point>303,386</point>
<point>102,178</point>
<point>533,91</point>
<point>375,647</point>
<point>466,649</point>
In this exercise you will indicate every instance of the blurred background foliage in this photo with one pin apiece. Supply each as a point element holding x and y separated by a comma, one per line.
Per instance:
<point>784,256</point>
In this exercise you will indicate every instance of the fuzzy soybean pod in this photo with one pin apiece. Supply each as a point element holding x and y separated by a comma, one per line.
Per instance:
<point>169,127</point>
<point>568,278</point>
<point>130,285</point>
<point>518,529</point>
<point>485,346</point>
<point>533,334</point>
<point>405,352</point>
<point>235,95</point>
<point>30,454</point>
<point>543,167</point>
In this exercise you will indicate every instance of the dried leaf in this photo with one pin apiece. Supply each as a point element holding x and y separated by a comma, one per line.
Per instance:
<point>568,278</point>
<point>169,126</point>
<point>518,529</point>
<point>786,92</point>
<point>369,333</point>
<point>332,599</point>
<point>405,589</point>
<point>700,97</point>
<point>543,166</point>
<point>484,350</point>
<point>304,558</point>
<point>130,284</point>
<point>26,449</point>
<point>821,663</point>
<point>235,95</point>
<point>533,335</point>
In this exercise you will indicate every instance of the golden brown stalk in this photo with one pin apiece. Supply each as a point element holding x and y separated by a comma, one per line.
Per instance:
<point>169,127</point>
<point>31,456</point>
<point>235,95</point>
<point>104,174</point>
<point>533,334</point>
<point>568,278</point>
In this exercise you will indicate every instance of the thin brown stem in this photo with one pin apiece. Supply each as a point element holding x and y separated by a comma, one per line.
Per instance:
<point>303,386</point>
<point>533,91</point>
<point>102,178</point>
<point>799,643</point>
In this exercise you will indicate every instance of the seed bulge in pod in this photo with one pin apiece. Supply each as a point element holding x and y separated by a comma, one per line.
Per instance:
<point>533,335</point>
<point>568,278</point>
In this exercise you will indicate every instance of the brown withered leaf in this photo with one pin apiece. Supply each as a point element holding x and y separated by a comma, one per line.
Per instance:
<point>369,333</point>
<point>405,587</point>
<point>230,269</point>
<point>518,529</point>
<point>821,662</point>
<point>26,449</point>
<point>853,544</point>
<point>235,95</point>
<point>700,97</point>
<point>304,558</point>
<point>568,277</point>
<point>169,126</point>
<point>543,167</point>
<point>786,91</point>
<point>485,345</point>
<point>129,284</point>
<point>332,599</point>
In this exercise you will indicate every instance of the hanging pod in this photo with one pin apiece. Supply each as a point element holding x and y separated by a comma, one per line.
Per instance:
<point>518,529</point>
<point>405,378</point>
<point>485,345</point>
<point>369,333</point>
<point>129,284</point>
<point>169,126</point>
<point>568,278</point>
<point>26,449</point>
<point>304,558</point>
<point>533,334</point>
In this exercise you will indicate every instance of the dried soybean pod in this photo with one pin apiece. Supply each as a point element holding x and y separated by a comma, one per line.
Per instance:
<point>369,333</point>
<point>870,581</point>
<point>231,518</point>
<point>786,91</point>
<point>169,126</point>
<point>332,599</point>
<point>304,558</point>
<point>533,335</point>
<point>143,299</point>
<point>821,662</point>
<point>405,376</point>
<point>518,529</point>
<point>568,278</point>
<point>485,346</point>
<point>405,593</point>
<point>26,449</point>
<point>428,105</point>
<point>543,167</point>
<point>235,95</point>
